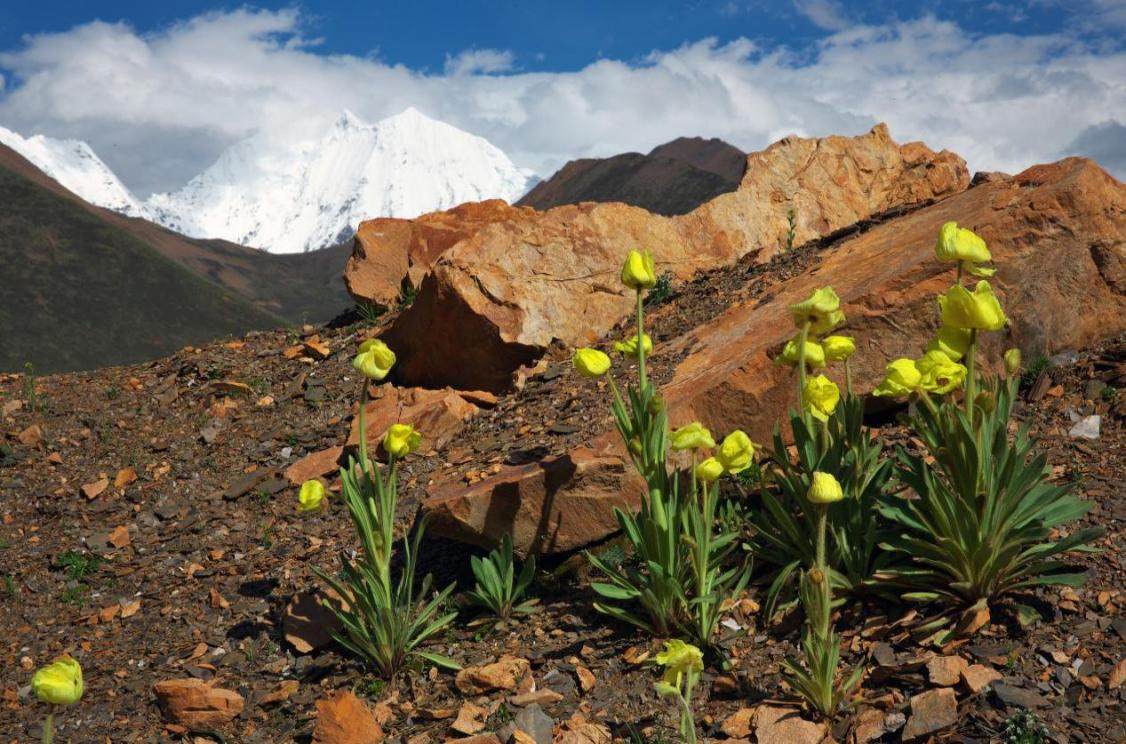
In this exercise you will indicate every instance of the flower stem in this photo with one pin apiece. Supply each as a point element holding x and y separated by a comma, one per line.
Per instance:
<point>802,336</point>
<point>363,429</point>
<point>848,378</point>
<point>823,566</point>
<point>641,341</point>
<point>49,728</point>
<point>971,375</point>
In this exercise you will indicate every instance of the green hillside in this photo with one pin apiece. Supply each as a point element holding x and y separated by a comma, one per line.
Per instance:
<point>77,291</point>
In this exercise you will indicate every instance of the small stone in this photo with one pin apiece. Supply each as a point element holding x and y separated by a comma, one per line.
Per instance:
<point>1117,675</point>
<point>931,711</point>
<point>1018,697</point>
<point>119,538</point>
<point>470,719</point>
<point>281,693</point>
<point>545,698</point>
<point>587,680</point>
<point>978,677</point>
<point>231,387</point>
<point>738,724</point>
<point>535,723</point>
<point>345,719</point>
<point>945,671</point>
<point>503,674</point>
<point>31,436</point>
<point>785,726</point>
<point>95,489</point>
<point>307,624</point>
<point>196,704</point>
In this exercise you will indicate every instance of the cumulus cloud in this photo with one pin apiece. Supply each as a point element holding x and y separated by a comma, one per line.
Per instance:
<point>160,107</point>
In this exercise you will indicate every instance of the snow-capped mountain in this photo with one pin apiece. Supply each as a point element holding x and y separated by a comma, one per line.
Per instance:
<point>300,196</point>
<point>74,165</point>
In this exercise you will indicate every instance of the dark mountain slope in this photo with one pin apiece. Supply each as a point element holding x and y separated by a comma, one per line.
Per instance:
<point>674,178</point>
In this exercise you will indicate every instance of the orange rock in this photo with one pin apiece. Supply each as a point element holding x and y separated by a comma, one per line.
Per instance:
<point>945,671</point>
<point>31,436</point>
<point>125,476</point>
<point>439,414</point>
<point>786,726</point>
<point>315,465</point>
<point>95,489</point>
<point>119,538</point>
<point>316,348</point>
<point>345,719</point>
<point>552,506</point>
<point>517,282</point>
<point>196,704</point>
<point>232,387</point>
<point>505,673</point>
<point>470,719</point>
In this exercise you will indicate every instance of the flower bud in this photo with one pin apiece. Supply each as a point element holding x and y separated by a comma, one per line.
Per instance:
<point>709,470</point>
<point>816,576</point>
<point>638,272</point>
<point>591,362</point>
<point>1012,361</point>
<point>59,683</point>
<point>692,436</point>
<point>311,496</point>
<point>985,401</point>
<point>401,440</point>
<point>825,489</point>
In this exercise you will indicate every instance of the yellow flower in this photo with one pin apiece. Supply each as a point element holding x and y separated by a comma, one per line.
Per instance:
<point>401,440</point>
<point>825,489</point>
<point>692,436</point>
<point>822,310</point>
<point>638,271</point>
<point>901,379</point>
<point>814,354</point>
<point>953,342</point>
<point>679,658</point>
<point>374,360</point>
<point>311,495</point>
<point>821,397</point>
<point>629,346</point>
<point>959,244</point>
<point>1012,361</point>
<point>59,683</point>
<point>591,362</point>
<point>736,452</point>
<point>838,348</point>
<point>939,373</point>
<point>709,470</point>
<point>978,309</point>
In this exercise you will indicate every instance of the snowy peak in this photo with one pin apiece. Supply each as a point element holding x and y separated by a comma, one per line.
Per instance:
<point>304,195</point>
<point>75,166</point>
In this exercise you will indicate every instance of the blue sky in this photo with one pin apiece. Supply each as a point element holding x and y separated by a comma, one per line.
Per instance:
<point>160,89</point>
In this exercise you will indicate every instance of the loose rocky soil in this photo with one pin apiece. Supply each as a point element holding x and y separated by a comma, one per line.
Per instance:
<point>146,528</point>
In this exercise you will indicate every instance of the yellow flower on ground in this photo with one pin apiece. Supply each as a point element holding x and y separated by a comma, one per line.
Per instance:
<point>953,342</point>
<point>692,436</point>
<point>838,348</point>
<point>629,346</point>
<point>709,470</point>
<point>401,440</point>
<point>814,354</point>
<point>978,310</point>
<point>822,310</point>
<point>679,658</point>
<point>825,489</point>
<point>901,378</point>
<point>939,373</point>
<point>1012,361</point>
<point>375,359</point>
<point>59,683</point>
<point>821,397</point>
<point>591,362</point>
<point>311,496</point>
<point>639,271</point>
<point>736,452</point>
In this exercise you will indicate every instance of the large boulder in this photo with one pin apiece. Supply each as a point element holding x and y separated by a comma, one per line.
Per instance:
<point>1058,237</point>
<point>495,300</point>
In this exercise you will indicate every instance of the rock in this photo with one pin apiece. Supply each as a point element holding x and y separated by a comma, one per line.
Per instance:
<point>30,436</point>
<point>196,704</point>
<point>518,281</point>
<point>343,718</point>
<point>587,680</point>
<point>94,489</point>
<point>539,697</point>
<point>1018,697</point>
<point>232,387</point>
<point>945,671</point>
<point>1086,428</point>
<point>285,689</point>
<point>439,414</point>
<point>503,674</point>
<point>738,724</point>
<point>551,506</point>
<point>576,731</point>
<point>307,624</point>
<point>535,723</point>
<point>1052,229</point>
<point>1117,675</point>
<point>390,253</point>
<point>315,465</point>
<point>470,719</point>
<point>977,677</point>
<point>931,711</point>
<point>786,726</point>
<point>872,724</point>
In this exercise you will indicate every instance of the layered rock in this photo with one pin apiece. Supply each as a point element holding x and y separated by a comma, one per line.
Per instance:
<point>438,414</point>
<point>513,285</point>
<point>553,506</point>
<point>1056,234</point>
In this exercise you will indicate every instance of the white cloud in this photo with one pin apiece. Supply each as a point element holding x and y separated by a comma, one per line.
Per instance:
<point>826,14</point>
<point>159,108</point>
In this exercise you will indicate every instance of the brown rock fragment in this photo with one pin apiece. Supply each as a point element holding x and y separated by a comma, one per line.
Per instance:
<point>343,718</point>
<point>196,704</point>
<point>931,711</point>
<point>505,673</point>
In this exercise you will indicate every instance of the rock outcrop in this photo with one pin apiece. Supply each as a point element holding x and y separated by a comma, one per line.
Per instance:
<point>519,280</point>
<point>1057,237</point>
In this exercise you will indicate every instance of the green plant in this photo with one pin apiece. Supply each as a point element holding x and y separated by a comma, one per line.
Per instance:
<point>683,663</point>
<point>661,291</point>
<point>978,523</point>
<point>678,574</point>
<point>258,384</point>
<point>9,586</point>
<point>407,294</point>
<point>78,565</point>
<point>1032,374</point>
<point>791,229</point>
<point>77,595</point>
<point>113,392</point>
<point>1109,393</point>
<point>785,529</point>
<point>370,312</point>
<point>383,620</point>
<point>1023,727</point>
<point>498,589</point>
